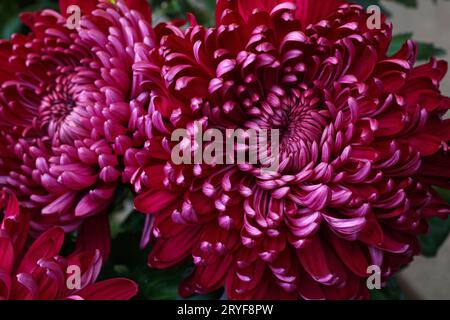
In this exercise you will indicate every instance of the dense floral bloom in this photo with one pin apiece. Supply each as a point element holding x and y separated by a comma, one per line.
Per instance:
<point>40,273</point>
<point>64,112</point>
<point>363,143</point>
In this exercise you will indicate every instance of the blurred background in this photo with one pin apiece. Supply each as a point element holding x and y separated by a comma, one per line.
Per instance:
<point>427,21</point>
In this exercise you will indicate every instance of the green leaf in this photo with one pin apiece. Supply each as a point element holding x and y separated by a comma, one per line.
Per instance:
<point>10,10</point>
<point>392,291</point>
<point>158,284</point>
<point>408,3</point>
<point>438,231</point>
<point>128,260</point>
<point>177,9</point>
<point>203,10</point>
<point>429,50</point>
<point>398,41</point>
<point>121,210</point>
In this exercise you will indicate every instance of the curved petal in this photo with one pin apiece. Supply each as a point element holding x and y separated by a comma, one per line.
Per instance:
<point>312,11</point>
<point>46,246</point>
<point>113,289</point>
<point>94,234</point>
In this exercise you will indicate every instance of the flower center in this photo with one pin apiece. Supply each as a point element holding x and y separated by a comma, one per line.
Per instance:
<point>300,120</point>
<point>57,106</point>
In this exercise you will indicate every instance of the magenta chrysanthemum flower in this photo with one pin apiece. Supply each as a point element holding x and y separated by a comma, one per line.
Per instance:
<point>40,273</point>
<point>64,112</point>
<point>363,142</point>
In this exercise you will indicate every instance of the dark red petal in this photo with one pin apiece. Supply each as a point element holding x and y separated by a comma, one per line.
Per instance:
<point>142,6</point>
<point>208,278</point>
<point>247,7</point>
<point>351,254</point>
<point>46,246</point>
<point>167,253</point>
<point>112,289</point>
<point>94,234</point>
<point>6,255</point>
<point>312,11</point>
<point>5,285</point>
<point>313,257</point>
<point>152,202</point>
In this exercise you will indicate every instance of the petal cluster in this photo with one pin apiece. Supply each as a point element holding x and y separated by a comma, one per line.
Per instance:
<point>363,146</point>
<point>38,272</point>
<point>64,113</point>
